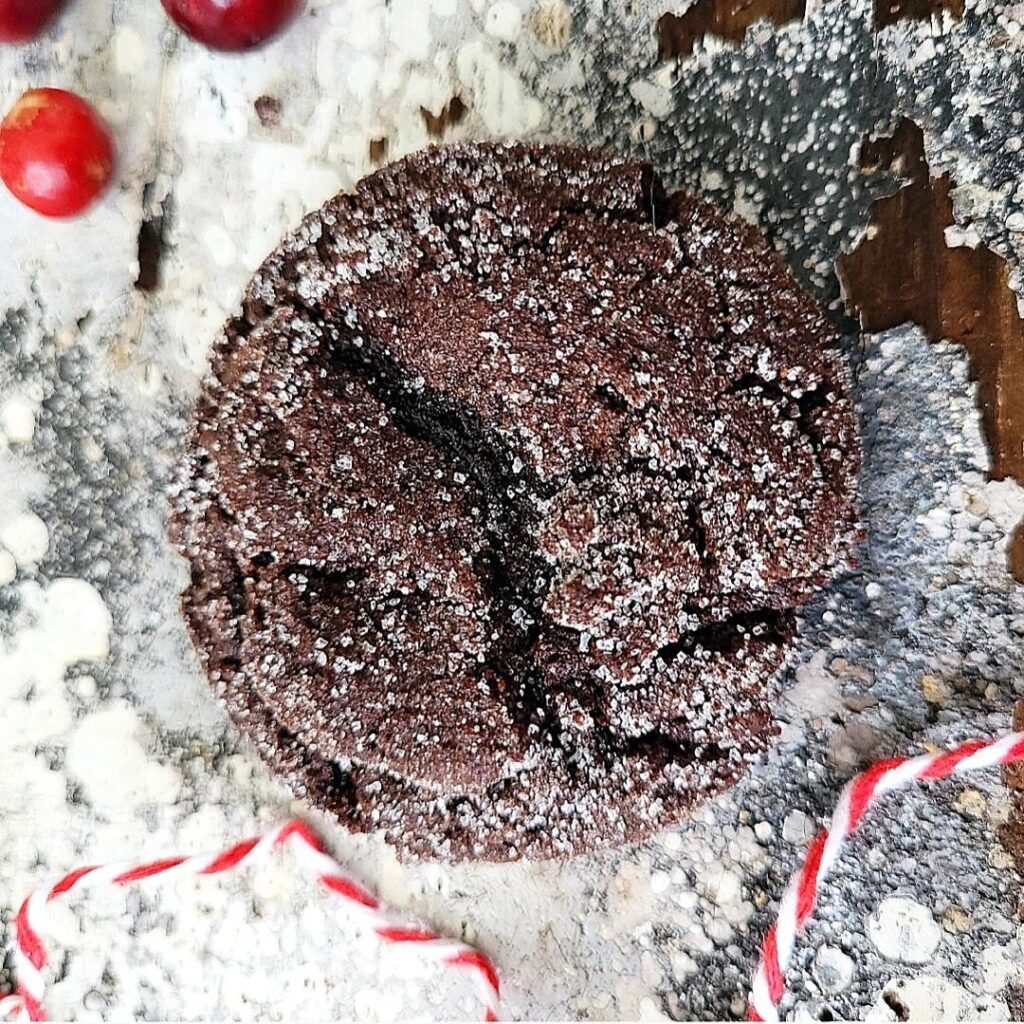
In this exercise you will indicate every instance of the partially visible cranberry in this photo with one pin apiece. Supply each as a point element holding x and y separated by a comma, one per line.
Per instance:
<point>232,24</point>
<point>22,20</point>
<point>56,154</point>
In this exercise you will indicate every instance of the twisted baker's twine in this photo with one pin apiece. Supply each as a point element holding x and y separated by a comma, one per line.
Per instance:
<point>30,955</point>
<point>860,793</point>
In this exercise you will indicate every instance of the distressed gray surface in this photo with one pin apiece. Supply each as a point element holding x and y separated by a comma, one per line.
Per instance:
<point>106,752</point>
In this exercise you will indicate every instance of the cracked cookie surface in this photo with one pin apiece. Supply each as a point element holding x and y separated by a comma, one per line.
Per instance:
<point>501,497</point>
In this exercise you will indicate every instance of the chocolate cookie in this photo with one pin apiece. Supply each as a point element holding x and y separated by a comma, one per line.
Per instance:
<point>501,497</point>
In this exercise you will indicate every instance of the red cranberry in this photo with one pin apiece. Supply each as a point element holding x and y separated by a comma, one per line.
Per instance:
<point>232,24</point>
<point>56,154</point>
<point>22,20</point>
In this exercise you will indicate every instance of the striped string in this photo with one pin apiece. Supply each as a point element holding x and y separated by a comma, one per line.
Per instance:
<point>860,793</point>
<point>30,956</point>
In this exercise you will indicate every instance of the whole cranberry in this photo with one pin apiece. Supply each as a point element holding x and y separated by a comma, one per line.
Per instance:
<point>56,153</point>
<point>232,24</point>
<point>22,20</point>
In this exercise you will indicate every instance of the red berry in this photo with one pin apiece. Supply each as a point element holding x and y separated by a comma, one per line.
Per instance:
<point>56,154</point>
<point>232,24</point>
<point>22,20</point>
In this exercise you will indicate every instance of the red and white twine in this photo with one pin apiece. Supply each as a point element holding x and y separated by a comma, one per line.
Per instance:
<point>859,794</point>
<point>30,956</point>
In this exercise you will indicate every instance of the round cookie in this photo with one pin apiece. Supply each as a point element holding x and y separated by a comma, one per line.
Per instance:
<point>501,496</point>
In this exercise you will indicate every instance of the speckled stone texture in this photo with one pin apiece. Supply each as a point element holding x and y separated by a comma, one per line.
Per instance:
<point>112,740</point>
<point>501,495</point>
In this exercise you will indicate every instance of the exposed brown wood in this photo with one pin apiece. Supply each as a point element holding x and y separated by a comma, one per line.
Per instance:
<point>378,150</point>
<point>889,11</point>
<point>268,110</point>
<point>730,19</point>
<point>551,22</point>
<point>1015,1001</point>
<point>451,114</point>
<point>151,242</point>
<point>151,250</point>
<point>904,271</point>
<point>1016,551</point>
<point>901,153</point>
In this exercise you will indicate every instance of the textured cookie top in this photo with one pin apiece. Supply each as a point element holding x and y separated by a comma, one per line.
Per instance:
<point>501,496</point>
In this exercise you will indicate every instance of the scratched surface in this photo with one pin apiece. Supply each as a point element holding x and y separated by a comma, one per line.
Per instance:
<point>111,740</point>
